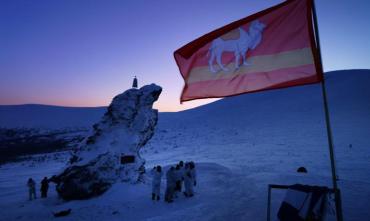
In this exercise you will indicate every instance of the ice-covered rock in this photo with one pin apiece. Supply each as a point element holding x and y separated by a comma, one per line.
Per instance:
<point>111,152</point>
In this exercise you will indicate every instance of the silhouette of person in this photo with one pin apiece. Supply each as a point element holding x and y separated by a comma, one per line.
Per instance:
<point>171,183</point>
<point>31,188</point>
<point>44,187</point>
<point>134,83</point>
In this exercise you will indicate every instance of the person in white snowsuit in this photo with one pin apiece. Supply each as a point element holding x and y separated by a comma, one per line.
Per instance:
<point>156,182</point>
<point>189,179</point>
<point>181,174</point>
<point>179,177</point>
<point>31,188</point>
<point>171,184</point>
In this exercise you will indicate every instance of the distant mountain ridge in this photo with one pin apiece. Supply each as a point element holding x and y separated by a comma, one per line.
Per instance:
<point>57,117</point>
<point>48,117</point>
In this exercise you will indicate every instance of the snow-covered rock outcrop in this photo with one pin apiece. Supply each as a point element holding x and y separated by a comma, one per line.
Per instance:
<point>111,152</point>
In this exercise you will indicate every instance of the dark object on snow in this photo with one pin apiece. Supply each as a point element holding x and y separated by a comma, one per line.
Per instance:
<point>44,187</point>
<point>62,213</point>
<point>307,205</point>
<point>302,170</point>
<point>134,83</point>
<point>83,182</point>
<point>127,159</point>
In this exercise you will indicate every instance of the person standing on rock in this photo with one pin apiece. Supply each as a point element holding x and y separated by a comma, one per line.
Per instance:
<point>134,83</point>
<point>44,187</point>
<point>171,184</point>
<point>31,188</point>
<point>156,182</point>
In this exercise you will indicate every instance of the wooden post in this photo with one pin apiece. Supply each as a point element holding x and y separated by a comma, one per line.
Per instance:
<point>338,204</point>
<point>268,203</point>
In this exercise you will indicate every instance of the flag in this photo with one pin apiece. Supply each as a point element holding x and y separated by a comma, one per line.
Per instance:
<point>271,49</point>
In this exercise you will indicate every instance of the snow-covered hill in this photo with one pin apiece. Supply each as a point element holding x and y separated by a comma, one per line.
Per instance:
<point>266,136</point>
<point>275,132</point>
<point>240,144</point>
<point>48,117</point>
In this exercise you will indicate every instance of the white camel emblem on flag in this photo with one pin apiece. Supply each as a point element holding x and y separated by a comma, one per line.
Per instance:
<point>247,40</point>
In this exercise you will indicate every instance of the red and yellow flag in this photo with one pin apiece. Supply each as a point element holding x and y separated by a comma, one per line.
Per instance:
<point>271,49</point>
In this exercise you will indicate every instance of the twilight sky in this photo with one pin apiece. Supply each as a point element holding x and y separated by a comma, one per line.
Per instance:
<point>84,52</point>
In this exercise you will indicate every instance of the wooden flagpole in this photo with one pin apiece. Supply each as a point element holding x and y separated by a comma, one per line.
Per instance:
<point>338,204</point>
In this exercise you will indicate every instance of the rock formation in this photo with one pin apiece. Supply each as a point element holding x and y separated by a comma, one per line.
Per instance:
<point>111,152</point>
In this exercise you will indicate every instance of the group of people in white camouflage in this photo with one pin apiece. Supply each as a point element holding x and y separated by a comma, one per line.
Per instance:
<point>177,177</point>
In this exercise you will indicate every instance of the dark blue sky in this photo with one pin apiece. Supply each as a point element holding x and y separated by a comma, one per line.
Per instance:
<point>83,52</point>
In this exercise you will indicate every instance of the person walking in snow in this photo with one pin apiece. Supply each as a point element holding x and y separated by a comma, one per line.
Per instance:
<point>171,184</point>
<point>31,188</point>
<point>156,182</point>
<point>189,179</point>
<point>44,187</point>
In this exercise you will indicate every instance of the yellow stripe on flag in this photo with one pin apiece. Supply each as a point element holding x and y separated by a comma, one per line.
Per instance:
<point>263,63</point>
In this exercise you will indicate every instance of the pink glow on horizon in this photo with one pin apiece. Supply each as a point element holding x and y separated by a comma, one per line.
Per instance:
<point>100,102</point>
<point>83,53</point>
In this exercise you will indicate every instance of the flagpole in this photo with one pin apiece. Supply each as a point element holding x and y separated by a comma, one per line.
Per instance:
<point>338,204</point>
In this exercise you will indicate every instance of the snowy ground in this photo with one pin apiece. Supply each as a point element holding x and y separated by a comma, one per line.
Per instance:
<point>240,144</point>
<point>122,202</point>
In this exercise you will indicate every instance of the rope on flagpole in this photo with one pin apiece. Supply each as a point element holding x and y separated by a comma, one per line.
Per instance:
<point>338,204</point>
